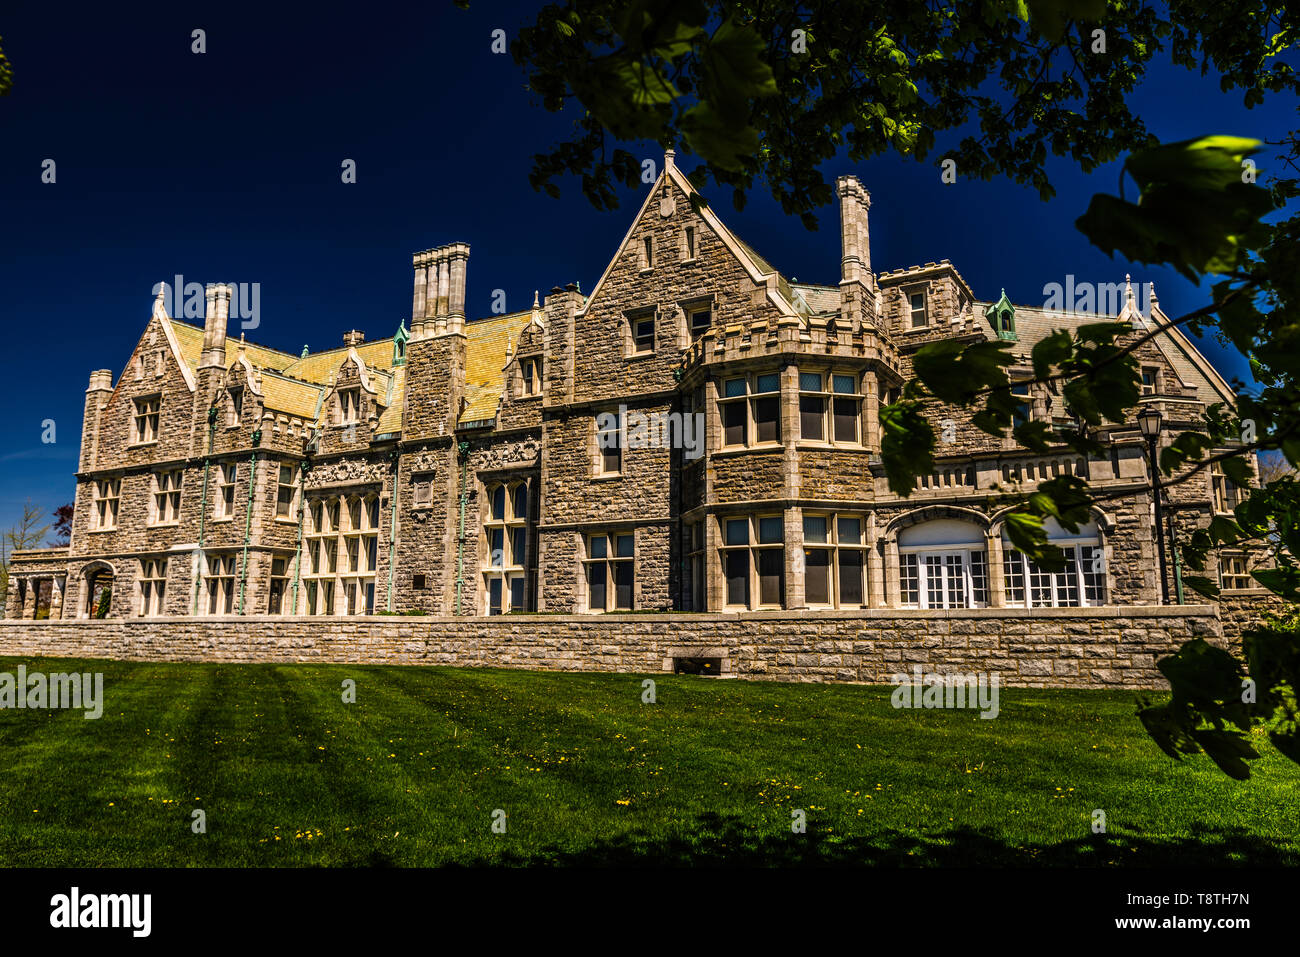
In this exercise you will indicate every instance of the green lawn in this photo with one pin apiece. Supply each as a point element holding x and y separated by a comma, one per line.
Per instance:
<point>410,774</point>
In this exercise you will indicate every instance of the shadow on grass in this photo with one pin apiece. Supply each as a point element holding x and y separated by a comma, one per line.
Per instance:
<point>714,841</point>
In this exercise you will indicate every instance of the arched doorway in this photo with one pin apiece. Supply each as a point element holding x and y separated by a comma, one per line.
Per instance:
<point>97,591</point>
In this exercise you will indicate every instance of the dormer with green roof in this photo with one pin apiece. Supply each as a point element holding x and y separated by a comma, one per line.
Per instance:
<point>1002,317</point>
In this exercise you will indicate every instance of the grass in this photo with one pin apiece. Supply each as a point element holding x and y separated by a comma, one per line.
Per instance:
<point>289,775</point>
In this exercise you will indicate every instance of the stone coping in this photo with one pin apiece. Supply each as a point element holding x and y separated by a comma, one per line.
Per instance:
<point>801,614</point>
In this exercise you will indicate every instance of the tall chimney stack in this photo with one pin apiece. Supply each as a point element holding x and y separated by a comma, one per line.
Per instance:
<point>459,264</point>
<point>421,263</point>
<point>217,312</point>
<point>855,241</point>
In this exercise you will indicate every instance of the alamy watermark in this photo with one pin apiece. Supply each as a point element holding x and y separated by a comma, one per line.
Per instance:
<point>1096,298</point>
<point>186,300</point>
<point>36,690</point>
<point>931,690</point>
<point>630,429</point>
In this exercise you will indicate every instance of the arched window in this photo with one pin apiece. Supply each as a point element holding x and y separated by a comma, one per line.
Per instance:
<point>505,530</point>
<point>943,563</point>
<point>1082,583</point>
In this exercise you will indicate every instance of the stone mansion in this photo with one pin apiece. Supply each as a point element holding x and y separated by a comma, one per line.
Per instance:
<point>502,465</point>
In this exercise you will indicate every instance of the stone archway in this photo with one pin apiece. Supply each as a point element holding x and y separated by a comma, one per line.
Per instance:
<point>97,590</point>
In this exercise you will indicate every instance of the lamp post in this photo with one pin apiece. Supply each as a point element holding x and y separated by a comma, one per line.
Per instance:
<point>1150,421</point>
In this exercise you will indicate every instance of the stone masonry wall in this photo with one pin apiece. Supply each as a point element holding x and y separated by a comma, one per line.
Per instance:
<point>1046,647</point>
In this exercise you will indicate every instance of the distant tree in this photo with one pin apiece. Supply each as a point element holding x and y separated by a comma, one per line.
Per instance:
<point>28,532</point>
<point>6,75</point>
<point>1274,466</point>
<point>62,530</point>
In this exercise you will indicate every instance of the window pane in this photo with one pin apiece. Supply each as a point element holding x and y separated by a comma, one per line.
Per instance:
<point>496,544</point>
<point>625,546</point>
<point>498,500</point>
<point>733,423</point>
<point>598,546</point>
<point>771,382</point>
<point>767,414</point>
<point>844,383</point>
<point>850,531</point>
<point>817,576</point>
<point>494,596</point>
<point>733,388</point>
<point>814,528</point>
<point>812,413</point>
<point>737,531</point>
<point>737,569</point>
<point>517,593</point>
<point>810,381</point>
<point>851,590</point>
<point>771,530</point>
<point>518,545</point>
<point>521,501</point>
<point>622,585</point>
<point>846,420</point>
<point>596,586</point>
<point>771,576</point>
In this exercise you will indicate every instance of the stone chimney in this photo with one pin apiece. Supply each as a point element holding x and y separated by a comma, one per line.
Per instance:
<point>215,320</point>
<point>97,395</point>
<point>353,338</point>
<point>438,303</point>
<point>855,201</point>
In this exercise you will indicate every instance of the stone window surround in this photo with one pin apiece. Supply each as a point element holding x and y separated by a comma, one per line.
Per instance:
<point>749,401</point>
<point>329,531</point>
<point>1234,569</point>
<point>144,409</point>
<point>907,291</point>
<point>151,587</point>
<point>227,480</point>
<point>963,553</point>
<point>610,561</point>
<point>887,549</point>
<point>509,524</point>
<point>753,547</point>
<point>686,308</point>
<point>835,547</point>
<point>830,396</point>
<point>174,491</point>
<point>106,492</point>
<point>629,323</point>
<point>598,472</point>
<point>295,504</point>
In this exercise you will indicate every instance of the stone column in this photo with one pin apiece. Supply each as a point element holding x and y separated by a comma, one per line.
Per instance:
<point>715,585</point>
<point>13,603</point>
<point>892,591</point>
<point>875,565</point>
<point>56,598</point>
<point>997,574</point>
<point>29,598</point>
<point>795,563</point>
<point>871,412</point>
<point>420,261</point>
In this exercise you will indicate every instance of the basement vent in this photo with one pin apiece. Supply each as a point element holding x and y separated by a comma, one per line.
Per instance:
<point>697,666</point>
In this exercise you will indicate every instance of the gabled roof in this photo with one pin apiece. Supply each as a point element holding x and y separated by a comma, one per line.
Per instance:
<point>486,343</point>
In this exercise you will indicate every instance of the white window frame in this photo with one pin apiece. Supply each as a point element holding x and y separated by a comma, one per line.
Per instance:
<point>913,309</point>
<point>1017,568</point>
<point>223,503</point>
<point>289,514</point>
<point>165,498</point>
<point>947,557</point>
<point>152,587</point>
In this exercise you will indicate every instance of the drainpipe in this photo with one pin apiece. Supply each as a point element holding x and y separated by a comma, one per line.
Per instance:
<point>248,518</point>
<point>462,449</point>
<point>203,505</point>
<point>1178,559</point>
<point>302,511</point>
<point>392,526</point>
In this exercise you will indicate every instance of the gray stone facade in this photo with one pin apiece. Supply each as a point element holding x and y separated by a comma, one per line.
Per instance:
<point>457,468</point>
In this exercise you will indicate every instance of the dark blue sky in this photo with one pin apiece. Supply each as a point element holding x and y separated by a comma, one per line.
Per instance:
<point>225,167</point>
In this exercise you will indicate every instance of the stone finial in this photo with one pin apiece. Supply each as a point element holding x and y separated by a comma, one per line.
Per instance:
<point>669,159</point>
<point>304,351</point>
<point>160,302</point>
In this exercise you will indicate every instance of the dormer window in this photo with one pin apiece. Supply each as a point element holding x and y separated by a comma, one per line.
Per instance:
<point>349,406</point>
<point>916,302</point>
<point>1150,380</point>
<point>530,372</point>
<point>145,422</point>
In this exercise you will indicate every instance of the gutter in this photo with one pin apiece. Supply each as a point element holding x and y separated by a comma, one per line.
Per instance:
<point>392,527</point>
<point>462,450</point>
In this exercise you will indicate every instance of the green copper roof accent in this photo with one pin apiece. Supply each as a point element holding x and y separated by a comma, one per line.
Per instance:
<point>399,344</point>
<point>1002,317</point>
